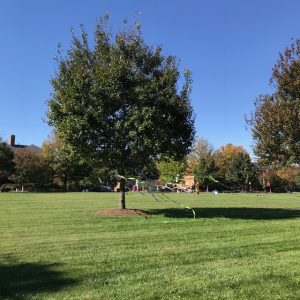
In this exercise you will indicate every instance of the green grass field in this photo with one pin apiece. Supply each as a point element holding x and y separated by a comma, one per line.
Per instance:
<point>240,246</point>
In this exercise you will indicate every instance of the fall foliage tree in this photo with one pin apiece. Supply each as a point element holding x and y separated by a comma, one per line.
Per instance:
<point>235,167</point>
<point>225,154</point>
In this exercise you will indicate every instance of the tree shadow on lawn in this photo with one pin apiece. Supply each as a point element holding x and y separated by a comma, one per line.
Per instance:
<point>20,281</point>
<point>230,212</point>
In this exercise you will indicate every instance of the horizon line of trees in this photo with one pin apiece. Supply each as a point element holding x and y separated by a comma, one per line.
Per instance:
<point>57,168</point>
<point>54,168</point>
<point>229,168</point>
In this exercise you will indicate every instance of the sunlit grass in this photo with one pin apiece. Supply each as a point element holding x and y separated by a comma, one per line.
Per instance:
<point>240,246</point>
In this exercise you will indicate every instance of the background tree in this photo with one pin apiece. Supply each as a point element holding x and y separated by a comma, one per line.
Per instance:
<point>171,170</point>
<point>66,168</point>
<point>225,155</point>
<point>99,179</point>
<point>288,176</point>
<point>275,122</point>
<point>206,171</point>
<point>30,170</point>
<point>241,172</point>
<point>297,177</point>
<point>117,103</point>
<point>7,165</point>
<point>201,163</point>
<point>201,149</point>
<point>235,168</point>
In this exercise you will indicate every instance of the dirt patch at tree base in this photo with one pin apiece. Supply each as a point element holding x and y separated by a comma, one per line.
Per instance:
<point>117,212</point>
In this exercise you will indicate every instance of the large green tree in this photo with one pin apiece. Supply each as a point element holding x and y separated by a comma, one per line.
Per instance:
<point>275,122</point>
<point>117,102</point>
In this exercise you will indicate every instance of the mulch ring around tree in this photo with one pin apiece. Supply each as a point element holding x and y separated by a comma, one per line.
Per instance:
<point>116,212</point>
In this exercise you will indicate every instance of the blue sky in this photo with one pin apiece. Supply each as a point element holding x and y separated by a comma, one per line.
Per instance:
<point>230,46</point>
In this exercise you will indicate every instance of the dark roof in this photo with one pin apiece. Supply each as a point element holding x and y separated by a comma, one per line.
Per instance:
<point>33,148</point>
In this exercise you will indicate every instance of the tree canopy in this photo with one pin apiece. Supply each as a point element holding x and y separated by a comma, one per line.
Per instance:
<point>275,122</point>
<point>117,101</point>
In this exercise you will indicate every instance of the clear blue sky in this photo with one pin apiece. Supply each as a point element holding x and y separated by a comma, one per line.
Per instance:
<point>230,46</point>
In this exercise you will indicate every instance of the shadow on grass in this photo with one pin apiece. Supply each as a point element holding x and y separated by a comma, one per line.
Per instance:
<point>20,281</point>
<point>230,212</point>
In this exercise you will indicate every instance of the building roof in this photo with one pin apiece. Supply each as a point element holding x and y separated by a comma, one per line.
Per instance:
<point>15,146</point>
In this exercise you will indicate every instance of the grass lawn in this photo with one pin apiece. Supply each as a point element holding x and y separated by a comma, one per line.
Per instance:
<point>240,246</point>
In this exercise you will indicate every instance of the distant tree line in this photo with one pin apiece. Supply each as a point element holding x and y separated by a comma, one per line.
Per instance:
<point>231,168</point>
<point>57,168</point>
<point>54,168</point>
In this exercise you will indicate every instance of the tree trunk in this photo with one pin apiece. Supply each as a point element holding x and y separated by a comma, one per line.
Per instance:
<point>65,183</point>
<point>122,193</point>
